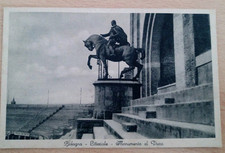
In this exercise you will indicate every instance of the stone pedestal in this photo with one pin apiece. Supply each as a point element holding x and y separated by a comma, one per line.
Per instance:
<point>111,95</point>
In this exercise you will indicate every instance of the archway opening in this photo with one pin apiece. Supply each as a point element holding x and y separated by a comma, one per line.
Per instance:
<point>167,62</point>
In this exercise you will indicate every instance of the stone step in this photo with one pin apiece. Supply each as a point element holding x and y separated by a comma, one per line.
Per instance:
<point>116,129</point>
<point>169,100</point>
<point>147,114</point>
<point>200,112</point>
<point>87,136</point>
<point>101,133</point>
<point>158,128</point>
<point>197,93</point>
<point>139,108</point>
<point>110,137</point>
<point>129,127</point>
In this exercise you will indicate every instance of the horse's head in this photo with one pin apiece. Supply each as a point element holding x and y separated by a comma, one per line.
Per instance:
<point>89,45</point>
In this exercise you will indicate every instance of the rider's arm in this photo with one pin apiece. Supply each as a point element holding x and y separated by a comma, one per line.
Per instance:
<point>106,35</point>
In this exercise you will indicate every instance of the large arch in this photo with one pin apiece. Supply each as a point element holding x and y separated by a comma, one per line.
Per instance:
<point>159,65</point>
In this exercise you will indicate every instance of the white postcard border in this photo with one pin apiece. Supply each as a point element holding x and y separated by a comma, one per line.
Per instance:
<point>146,143</point>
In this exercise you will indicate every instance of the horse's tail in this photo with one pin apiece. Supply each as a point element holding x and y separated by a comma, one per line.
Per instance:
<point>142,51</point>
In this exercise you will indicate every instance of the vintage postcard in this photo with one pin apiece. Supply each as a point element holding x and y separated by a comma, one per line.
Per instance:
<point>109,78</point>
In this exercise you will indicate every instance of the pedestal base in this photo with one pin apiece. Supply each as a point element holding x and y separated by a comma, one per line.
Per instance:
<point>112,95</point>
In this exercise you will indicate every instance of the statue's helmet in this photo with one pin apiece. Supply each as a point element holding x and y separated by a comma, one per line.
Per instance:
<point>113,22</point>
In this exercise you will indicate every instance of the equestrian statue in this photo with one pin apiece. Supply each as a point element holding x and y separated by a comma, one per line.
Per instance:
<point>116,49</point>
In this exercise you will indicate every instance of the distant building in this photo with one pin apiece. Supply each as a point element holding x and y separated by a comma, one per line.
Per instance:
<point>13,102</point>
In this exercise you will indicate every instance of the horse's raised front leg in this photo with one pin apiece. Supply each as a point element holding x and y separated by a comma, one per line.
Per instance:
<point>89,60</point>
<point>105,68</point>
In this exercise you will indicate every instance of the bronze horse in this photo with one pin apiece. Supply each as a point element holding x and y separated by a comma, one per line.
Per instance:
<point>123,53</point>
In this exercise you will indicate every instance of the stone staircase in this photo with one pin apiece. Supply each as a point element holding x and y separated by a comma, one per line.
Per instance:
<point>178,114</point>
<point>159,128</point>
<point>199,112</point>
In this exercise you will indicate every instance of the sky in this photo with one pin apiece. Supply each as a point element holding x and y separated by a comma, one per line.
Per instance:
<point>46,52</point>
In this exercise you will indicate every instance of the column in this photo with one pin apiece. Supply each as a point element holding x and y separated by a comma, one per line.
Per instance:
<point>184,50</point>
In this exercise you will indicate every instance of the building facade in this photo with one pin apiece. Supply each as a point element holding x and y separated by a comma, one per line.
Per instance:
<point>177,48</point>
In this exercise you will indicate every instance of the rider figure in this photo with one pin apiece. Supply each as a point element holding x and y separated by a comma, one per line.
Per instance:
<point>116,35</point>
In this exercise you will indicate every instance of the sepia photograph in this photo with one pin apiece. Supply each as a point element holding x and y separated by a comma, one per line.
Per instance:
<point>109,78</point>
